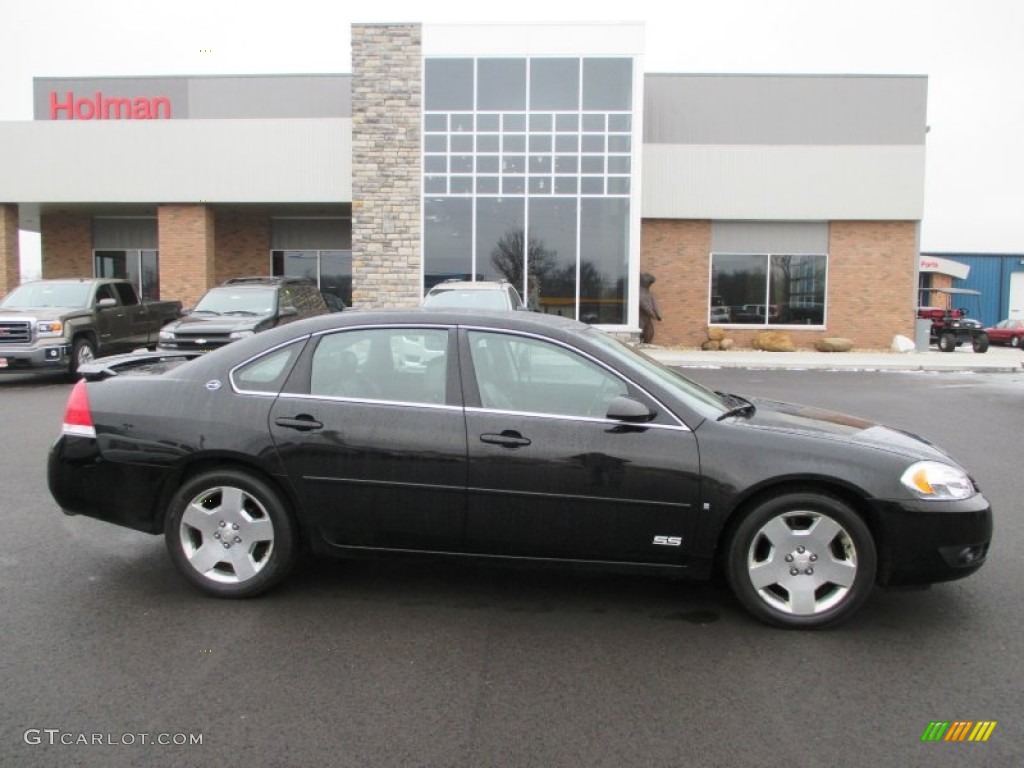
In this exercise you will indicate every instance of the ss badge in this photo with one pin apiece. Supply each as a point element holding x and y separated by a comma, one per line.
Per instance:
<point>669,541</point>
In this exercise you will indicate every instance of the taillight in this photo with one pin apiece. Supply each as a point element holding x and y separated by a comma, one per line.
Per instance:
<point>77,417</point>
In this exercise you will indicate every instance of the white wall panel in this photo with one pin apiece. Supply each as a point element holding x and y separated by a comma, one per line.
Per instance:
<point>177,161</point>
<point>783,182</point>
<point>598,39</point>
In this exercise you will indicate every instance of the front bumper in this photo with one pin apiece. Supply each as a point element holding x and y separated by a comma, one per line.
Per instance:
<point>51,357</point>
<point>923,542</point>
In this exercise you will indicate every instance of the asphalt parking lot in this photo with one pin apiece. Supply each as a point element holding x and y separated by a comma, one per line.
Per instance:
<point>384,663</point>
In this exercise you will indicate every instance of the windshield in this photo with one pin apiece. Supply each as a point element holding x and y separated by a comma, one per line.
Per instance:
<point>466,297</point>
<point>225,301</point>
<point>42,295</point>
<point>701,399</point>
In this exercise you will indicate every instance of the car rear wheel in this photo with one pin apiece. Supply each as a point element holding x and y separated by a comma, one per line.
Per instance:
<point>803,560</point>
<point>980,342</point>
<point>947,342</point>
<point>1014,341</point>
<point>230,534</point>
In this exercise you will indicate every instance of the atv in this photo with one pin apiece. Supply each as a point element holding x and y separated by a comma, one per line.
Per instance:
<point>951,327</point>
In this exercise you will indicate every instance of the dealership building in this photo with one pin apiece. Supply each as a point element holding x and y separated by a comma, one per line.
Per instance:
<point>540,154</point>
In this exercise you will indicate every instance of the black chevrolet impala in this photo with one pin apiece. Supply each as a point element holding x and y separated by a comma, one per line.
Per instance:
<point>513,436</point>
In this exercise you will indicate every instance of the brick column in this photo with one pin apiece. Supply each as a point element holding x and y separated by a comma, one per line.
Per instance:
<point>186,234</point>
<point>66,242</point>
<point>386,99</point>
<point>10,262</point>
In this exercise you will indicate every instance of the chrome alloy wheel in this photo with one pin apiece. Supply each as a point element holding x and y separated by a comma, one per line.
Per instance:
<point>802,563</point>
<point>226,535</point>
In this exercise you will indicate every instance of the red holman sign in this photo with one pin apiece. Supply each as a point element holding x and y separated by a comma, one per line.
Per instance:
<point>99,107</point>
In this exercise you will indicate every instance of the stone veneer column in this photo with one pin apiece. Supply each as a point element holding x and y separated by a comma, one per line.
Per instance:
<point>10,264</point>
<point>186,234</point>
<point>386,112</point>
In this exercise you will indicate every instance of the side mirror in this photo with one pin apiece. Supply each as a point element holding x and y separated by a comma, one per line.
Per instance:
<point>627,409</point>
<point>287,312</point>
<point>106,303</point>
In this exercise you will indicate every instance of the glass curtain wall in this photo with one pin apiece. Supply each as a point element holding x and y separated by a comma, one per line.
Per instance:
<point>527,167</point>
<point>139,265</point>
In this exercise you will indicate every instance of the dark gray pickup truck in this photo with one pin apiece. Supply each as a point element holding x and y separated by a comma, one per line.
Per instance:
<point>58,325</point>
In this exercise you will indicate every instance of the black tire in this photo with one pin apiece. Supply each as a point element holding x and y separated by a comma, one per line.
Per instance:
<point>230,533</point>
<point>82,351</point>
<point>817,572</point>
<point>980,343</point>
<point>947,342</point>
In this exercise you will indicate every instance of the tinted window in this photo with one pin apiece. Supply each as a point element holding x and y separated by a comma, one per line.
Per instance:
<point>126,293</point>
<point>266,373</point>
<point>398,364</point>
<point>515,373</point>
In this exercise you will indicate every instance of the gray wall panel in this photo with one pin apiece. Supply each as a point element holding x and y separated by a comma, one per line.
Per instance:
<point>177,161</point>
<point>279,96</point>
<point>790,237</point>
<point>784,109</point>
<point>116,232</point>
<point>211,97</point>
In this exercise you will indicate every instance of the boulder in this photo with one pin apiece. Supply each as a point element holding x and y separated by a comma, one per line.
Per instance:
<point>902,344</point>
<point>773,341</point>
<point>716,334</point>
<point>710,345</point>
<point>833,345</point>
<point>726,344</point>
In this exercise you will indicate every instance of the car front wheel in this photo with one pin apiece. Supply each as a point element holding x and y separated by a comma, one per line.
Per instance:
<point>802,560</point>
<point>230,534</point>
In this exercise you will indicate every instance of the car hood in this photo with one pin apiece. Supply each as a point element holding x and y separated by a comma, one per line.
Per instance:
<point>818,422</point>
<point>216,323</point>
<point>40,313</point>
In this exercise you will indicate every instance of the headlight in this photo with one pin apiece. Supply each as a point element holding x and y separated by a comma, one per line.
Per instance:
<point>932,480</point>
<point>166,336</point>
<point>53,328</point>
<point>241,334</point>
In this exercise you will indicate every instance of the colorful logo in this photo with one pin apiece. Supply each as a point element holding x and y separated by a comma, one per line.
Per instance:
<point>958,730</point>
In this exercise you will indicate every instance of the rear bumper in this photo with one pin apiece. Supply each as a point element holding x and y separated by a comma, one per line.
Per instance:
<point>930,541</point>
<point>52,357</point>
<point>83,483</point>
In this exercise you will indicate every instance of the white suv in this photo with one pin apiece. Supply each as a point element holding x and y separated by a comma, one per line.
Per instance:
<point>481,294</point>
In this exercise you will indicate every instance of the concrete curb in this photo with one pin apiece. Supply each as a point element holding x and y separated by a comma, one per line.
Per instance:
<point>996,360</point>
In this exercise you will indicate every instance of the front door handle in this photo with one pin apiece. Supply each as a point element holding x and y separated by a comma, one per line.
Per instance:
<point>507,439</point>
<point>303,422</point>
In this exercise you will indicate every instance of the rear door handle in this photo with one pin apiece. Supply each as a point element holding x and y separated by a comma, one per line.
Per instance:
<point>507,439</point>
<point>303,422</point>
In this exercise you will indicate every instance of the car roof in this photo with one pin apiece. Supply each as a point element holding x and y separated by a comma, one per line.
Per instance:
<point>462,285</point>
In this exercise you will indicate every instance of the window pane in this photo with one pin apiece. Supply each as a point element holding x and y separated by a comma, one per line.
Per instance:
<point>150,274</point>
<point>618,164</point>
<point>739,282</point>
<point>449,84</point>
<point>434,143</point>
<point>567,143</point>
<point>461,185</point>
<point>462,143</point>
<point>593,123</point>
<point>514,122</point>
<point>435,164</point>
<point>540,143</point>
<point>487,143</point>
<point>487,164</point>
<point>513,185</point>
<point>554,83</point>
<point>608,84</point>
<point>593,143</point>
<point>295,264</point>
<point>618,186</point>
<point>514,143</point>
<point>436,123</point>
<point>336,274</point>
<point>447,244</point>
<point>566,185</point>
<point>499,237</point>
<point>501,84</point>
<point>397,364</point>
<point>620,123</point>
<point>565,123</point>
<point>604,260</point>
<point>552,285</point>
<point>487,185</point>
<point>541,122</point>
<point>797,290</point>
<point>488,123</point>
<point>532,376</point>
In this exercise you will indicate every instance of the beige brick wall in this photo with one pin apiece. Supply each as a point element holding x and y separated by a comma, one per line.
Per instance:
<point>242,245</point>
<point>871,289</point>
<point>386,88</point>
<point>186,235</point>
<point>66,243</point>
<point>10,263</point>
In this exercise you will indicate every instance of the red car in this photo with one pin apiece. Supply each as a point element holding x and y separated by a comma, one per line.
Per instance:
<point>1009,331</point>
